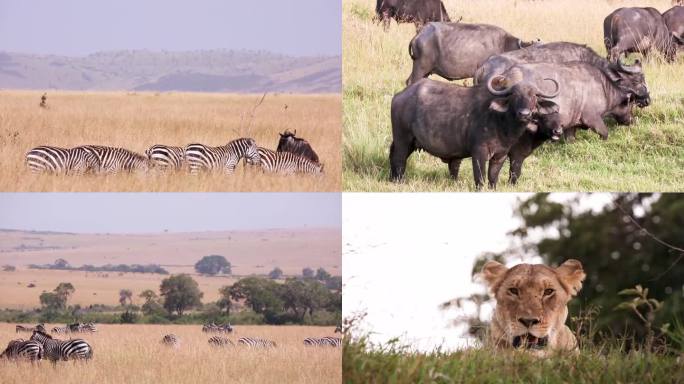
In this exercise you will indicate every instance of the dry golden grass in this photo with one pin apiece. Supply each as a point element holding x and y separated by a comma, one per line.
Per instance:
<point>134,354</point>
<point>138,120</point>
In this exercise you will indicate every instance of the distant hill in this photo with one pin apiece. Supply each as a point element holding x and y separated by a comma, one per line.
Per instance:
<point>193,71</point>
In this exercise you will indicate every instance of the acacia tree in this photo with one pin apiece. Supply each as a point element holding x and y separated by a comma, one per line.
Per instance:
<point>180,293</point>
<point>125,296</point>
<point>224,302</point>
<point>64,291</point>
<point>213,265</point>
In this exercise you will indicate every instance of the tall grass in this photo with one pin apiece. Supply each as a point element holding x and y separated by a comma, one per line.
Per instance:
<point>138,120</point>
<point>134,354</point>
<point>647,156</point>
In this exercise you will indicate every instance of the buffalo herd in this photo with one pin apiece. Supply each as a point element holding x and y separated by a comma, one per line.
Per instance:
<point>525,91</point>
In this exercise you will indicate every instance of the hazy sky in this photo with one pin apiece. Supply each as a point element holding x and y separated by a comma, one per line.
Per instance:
<point>405,254</point>
<point>177,212</point>
<point>79,27</point>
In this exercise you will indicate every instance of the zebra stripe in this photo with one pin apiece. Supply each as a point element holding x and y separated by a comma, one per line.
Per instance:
<point>63,349</point>
<point>68,161</point>
<point>16,349</point>
<point>219,341</point>
<point>112,159</point>
<point>171,340</point>
<point>85,327</point>
<point>256,343</point>
<point>287,162</point>
<point>323,341</point>
<point>164,157</point>
<point>64,329</point>
<point>200,156</point>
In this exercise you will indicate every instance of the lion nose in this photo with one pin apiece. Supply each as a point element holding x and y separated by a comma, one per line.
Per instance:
<point>528,322</point>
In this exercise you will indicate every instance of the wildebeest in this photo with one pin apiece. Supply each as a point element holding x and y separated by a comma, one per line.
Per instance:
<point>289,142</point>
<point>674,20</point>
<point>418,12</point>
<point>641,30</point>
<point>455,50</point>
<point>587,96</point>
<point>453,122</point>
<point>626,77</point>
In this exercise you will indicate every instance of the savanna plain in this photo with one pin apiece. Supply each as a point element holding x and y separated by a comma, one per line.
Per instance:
<point>135,354</point>
<point>138,120</point>
<point>646,156</point>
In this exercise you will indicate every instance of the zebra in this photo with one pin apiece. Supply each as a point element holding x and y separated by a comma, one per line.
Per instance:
<point>86,327</point>
<point>200,156</point>
<point>111,160</point>
<point>63,349</point>
<point>20,348</point>
<point>323,341</point>
<point>65,329</point>
<point>164,157</point>
<point>219,341</point>
<point>22,328</point>
<point>287,162</point>
<point>256,343</point>
<point>171,340</point>
<point>221,328</point>
<point>67,161</point>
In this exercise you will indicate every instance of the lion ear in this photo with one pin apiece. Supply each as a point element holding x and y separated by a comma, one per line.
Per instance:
<point>571,275</point>
<point>493,272</point>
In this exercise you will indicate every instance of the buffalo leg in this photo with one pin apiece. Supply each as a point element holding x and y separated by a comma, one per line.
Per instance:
<point>570,134</point>
<point>454,167</point>
<point>495,164</point>
<point>479,169</point>
<point>399,153</point>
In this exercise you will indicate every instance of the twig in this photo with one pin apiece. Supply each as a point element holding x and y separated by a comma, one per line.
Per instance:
<point>251,114</point>
<point>654,237</point>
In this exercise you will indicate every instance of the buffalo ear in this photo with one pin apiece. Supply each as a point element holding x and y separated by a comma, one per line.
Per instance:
<point>571,275</point>
<point>547,107</point>
<point>499,105</point>
<point>492,273</point>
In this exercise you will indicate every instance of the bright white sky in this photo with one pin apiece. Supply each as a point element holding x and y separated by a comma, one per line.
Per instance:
<point>405,254</point>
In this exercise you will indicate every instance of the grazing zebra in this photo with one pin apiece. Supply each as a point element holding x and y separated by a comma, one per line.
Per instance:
<point>63,349</point>
<point>32,350</point>
<point>22,328</point>
<point>287,162</point>
<point>171,340</point>
<point>164,157</point>
<point>67,161</point>
<point>323,341</point>
<point>85,327</point>
<point>256,343</point>
<point>199,156</point>
<point>219,341</point>
<point>111,160</point>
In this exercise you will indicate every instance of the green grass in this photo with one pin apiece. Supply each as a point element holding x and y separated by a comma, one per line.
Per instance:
<point>646,156</point>
<point>395,365</point>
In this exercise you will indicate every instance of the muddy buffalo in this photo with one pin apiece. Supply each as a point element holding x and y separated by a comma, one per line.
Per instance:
<point>455,50</point>
<point>453,122</point>
<point>418,12</point>
<point>587,96</point>
<point>289,142</point>
<point>628,77</point>
<point>629,30</point>
<point>674,19</point>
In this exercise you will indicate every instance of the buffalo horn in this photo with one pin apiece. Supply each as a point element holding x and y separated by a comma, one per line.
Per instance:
<point>552,94</point>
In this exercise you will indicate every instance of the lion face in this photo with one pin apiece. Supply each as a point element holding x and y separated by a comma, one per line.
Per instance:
<point>531,303</point>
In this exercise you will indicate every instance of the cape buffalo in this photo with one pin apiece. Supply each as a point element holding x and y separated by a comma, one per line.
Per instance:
<point>674,19</point>
<point>453,122</point>
<point>290,143</point>
<point>587,96</point>
<point>641,30</point>
<point>418,12</point>
<point>630,78</point>
<point>455,50</point>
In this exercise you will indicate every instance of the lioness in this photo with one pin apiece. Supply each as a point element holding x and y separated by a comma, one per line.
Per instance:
<point>531,305</point>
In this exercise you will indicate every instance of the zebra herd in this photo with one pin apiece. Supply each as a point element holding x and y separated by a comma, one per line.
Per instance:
<point>193,158</point>
<point>220,328</point>
<point>43,346</point>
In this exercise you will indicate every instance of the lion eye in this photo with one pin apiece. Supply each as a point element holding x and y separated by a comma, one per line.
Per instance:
<point>513,291</point>
<point>548,292</point>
